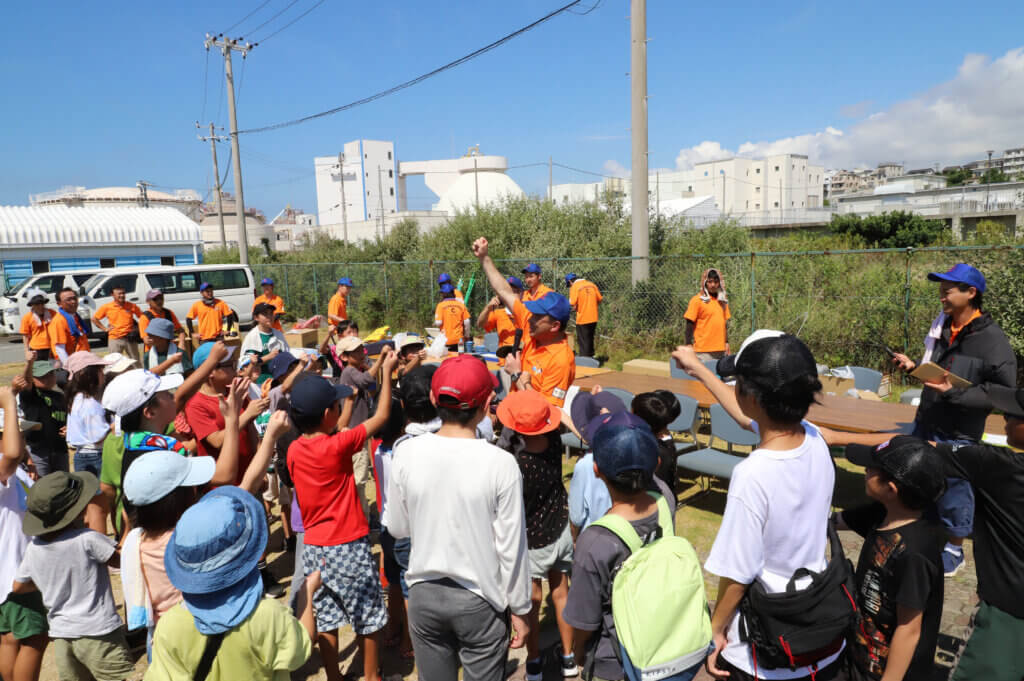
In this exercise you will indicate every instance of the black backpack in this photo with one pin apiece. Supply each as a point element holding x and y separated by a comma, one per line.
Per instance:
<point>799,628</point>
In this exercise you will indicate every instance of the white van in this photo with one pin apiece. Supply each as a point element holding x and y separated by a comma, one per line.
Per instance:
<point>233,284</point>
<point>14,304</point>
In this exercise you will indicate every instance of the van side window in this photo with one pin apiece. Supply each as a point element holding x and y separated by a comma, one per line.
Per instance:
<point>80,279</point>
<point>49,284</point>
<point>226,279</point>
<point>174,282</point>
<point>107,288</point>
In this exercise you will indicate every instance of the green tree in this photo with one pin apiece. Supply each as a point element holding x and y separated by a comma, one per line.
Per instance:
<point>993,175</point>
<point>957,176</point>
<point>899,229</point>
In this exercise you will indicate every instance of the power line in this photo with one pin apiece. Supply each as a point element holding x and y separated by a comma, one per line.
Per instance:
<point>266,38</point>
<point>580,170</point>
<point>419,79</point>
<point>287,7</point>
<point>242,20</point>
<point>597,3</point>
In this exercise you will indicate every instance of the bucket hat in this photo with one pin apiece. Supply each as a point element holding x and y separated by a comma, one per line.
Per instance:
<point>56,500</point>
<point>527,412</point>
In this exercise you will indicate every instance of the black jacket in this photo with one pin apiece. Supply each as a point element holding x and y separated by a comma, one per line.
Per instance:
<point>980,354</point>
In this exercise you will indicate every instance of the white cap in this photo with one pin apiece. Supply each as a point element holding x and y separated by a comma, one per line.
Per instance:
<point>134,388</point>
<point>154,475</point>
<point>116,363</point>
<point>727,365</point>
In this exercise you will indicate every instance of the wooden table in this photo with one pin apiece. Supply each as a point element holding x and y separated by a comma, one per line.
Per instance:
<point>833,411</point>
<point>581,372</point>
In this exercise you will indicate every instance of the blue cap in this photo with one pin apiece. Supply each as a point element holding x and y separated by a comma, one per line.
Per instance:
<point>281,364</point>
<point>161,328</point>
<point>313,394</point>
<point>586,410</point>
<point>345,281</point>
<point>447,288</point>
<point>266,281</point>
<point>205,285</point>
<point>532,268</point>
<point>203,352</point>
<point>571,277</point>
<point>154,475</point>
<point>961,273</point>
<point>624,442</point>
<point>553,304</point>
<point>443,278</point>
<point>515,282</point>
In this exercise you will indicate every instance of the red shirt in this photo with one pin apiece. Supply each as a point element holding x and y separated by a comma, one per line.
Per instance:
<point>321,469</point>
<point>204,418</point>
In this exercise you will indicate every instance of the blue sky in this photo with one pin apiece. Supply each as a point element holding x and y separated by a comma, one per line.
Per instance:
<point>108,94</point>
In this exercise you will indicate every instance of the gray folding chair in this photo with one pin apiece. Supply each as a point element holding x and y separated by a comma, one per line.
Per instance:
<point>587,362</point>
<point>712,364</point>
<point>676,372</point>
<point>713,463</point>
<point>865,379</point>
<point>491,341</point>
<point>686,422</point>
<point>624,395</point>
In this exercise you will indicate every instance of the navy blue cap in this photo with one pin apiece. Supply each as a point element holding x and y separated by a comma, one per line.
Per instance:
<point>345,281</point>
<point>281,364</point>
<point>624,442</point>
<point>586,411</point>
<point>961,273</point>
<point>205,285</point>
<point>447,288</point>
<point>532,268</point>
<point>515,282</point>
<point>551,303</point>
<point>266,281</point>
<point>443,278</point>
<point>571,277</point>
<point>313,394</point>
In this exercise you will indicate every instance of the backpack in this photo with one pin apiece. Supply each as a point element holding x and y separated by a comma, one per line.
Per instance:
<point>660,610</point>
<point>793,629</point>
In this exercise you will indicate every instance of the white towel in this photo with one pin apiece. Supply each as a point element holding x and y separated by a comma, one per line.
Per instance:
<point>934,334</point>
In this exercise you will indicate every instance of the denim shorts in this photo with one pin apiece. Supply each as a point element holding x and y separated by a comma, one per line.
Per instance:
<point>956,507</point>
<point>396,559</point>
<point>88,459</point>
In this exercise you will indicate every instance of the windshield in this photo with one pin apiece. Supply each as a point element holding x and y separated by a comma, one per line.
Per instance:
<point>89,283</point>
<point>18,287</point>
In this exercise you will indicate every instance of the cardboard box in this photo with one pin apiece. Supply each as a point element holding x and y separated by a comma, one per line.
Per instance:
<point>303,338</point>
<point>836,386</point>
<point>647,367</point>
<point>235,341</point>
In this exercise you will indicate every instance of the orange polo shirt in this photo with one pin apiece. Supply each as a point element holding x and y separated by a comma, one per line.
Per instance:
<point>709,320</point>
<point>338,306</point>
<point>120,317</point>
<point>552,370</point>
<point>955,330</point>
<point>584,296</point>
<point>61,335</point>
<point>36,330</point>
<point>450,315</point>
<point>168,314</point>
<point>500,320</point>
<point>521,317</point>
<point>209,318</point>
<point>277,302</point>
<point>542,290</point>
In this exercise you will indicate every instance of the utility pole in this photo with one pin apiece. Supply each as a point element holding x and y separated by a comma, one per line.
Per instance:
<point>143,187</point>
<point>227,46</point>
<point>988,172</point>
<point>344,208</point>
<point>638,94</point>
<point>213,138</point>
<point>551,186</point>
<point>380,194</point>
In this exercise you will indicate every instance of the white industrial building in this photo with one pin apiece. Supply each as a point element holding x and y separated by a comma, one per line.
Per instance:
<point>367,182</point>
<point>185,201</point>
<point>53,238</point>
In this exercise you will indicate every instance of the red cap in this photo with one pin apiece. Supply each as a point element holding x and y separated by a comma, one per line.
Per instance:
<point>527,412</point>
<point>465,379</point>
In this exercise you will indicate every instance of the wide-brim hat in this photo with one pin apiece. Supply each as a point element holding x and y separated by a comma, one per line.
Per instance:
<point>56,500</point>
<point>217,542</point>
<point>529,413</point>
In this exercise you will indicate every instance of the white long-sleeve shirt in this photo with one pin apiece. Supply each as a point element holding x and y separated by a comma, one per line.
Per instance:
<point>461,503</point>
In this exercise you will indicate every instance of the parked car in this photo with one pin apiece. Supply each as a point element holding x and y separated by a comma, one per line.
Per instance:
<point>14,304</point>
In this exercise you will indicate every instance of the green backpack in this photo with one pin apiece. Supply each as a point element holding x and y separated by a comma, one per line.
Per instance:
<point>659,606</point>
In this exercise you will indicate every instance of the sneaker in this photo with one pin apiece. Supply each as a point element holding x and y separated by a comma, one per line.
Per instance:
<point>534,670</point>
<point>569,667</point>
<point>952,560</point>
<point>271,587</point>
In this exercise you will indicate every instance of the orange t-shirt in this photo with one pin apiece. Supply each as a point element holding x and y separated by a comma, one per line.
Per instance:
<point>709,320</point>
<point>521,317</point>
<point>168,314</point>
<point>277,302</point>
<point>955,330</point>
<point>552,370</point>
<point>61,335</point>
<point>584,296</point>
<point>209,318</point>
<point>36,330</point>
<point>120,316</point>
<point>542,290</point>
<point>450,315</point>
<point>500,320</point>
<point>338,306</point>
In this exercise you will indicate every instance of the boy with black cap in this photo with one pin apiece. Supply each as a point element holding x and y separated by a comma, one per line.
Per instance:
<point>35,323</point>
<point>264,339</point>
<point>899,574</point>
<point>336,529</point>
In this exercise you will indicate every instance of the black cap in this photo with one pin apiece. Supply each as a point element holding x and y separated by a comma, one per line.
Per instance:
<point>1010,401</point>
<point>282,364</point>
<point>910,462</point>
<point>415,386</point>
<point>774,362</point>
<point>264,309</point>
<point>313,394</point>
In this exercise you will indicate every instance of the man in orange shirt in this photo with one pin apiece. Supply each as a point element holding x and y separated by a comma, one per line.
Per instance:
<point>122,332</point>
<point>497,317</point>
<point>584,296</point>
<point>156,310</point>
<point>209,313</point>
<point>35,323</point>
<point>531,277</point>
<point>69,333</point>
<point>707,318</point>
<point>337,307</point>
<point>452,317</point>
<point>547,363</point>
<point>270,298</point>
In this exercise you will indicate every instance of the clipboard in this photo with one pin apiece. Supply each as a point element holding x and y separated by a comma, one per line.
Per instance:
<point>932,372</point>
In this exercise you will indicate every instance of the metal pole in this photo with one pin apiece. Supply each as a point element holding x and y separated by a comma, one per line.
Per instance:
<point>988,183</point>
<point>638,94</point>
<point>344,208</point>
<point>216,180</point>
<point>906,303</point>
<point>753,296</point>
<point>236,157</point>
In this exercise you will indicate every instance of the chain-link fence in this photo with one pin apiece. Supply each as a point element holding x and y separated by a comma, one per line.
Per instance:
<point>846,305</point>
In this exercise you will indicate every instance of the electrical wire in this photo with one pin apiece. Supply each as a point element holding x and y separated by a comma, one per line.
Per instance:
<point>597,3</point>
<point>266,38</point>
<point>242,20</point>
<point>287,7</point>
<point>585,172</point>
<point>419,79</point>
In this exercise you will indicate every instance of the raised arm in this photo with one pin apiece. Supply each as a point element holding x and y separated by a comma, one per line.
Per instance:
<point>497,282</point>
<point>257,469</point>
<point>227,461</point>
<point>380,417</point>
<point>686,359</point>
<point>192,384</point>
<point>12,442</point>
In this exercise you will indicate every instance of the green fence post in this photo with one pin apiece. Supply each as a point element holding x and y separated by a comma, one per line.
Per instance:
<point>430,285</point>
<point>753,296</point>
<point>906,302</point>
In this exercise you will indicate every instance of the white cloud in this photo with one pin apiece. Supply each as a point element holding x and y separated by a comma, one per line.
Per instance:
<point>980,108</point>
<point>616,169</point>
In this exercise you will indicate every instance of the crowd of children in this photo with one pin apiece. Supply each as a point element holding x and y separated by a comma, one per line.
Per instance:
<point>186,458</point>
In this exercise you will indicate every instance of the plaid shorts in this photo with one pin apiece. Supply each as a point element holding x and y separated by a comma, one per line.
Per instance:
<point>351,587</point>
